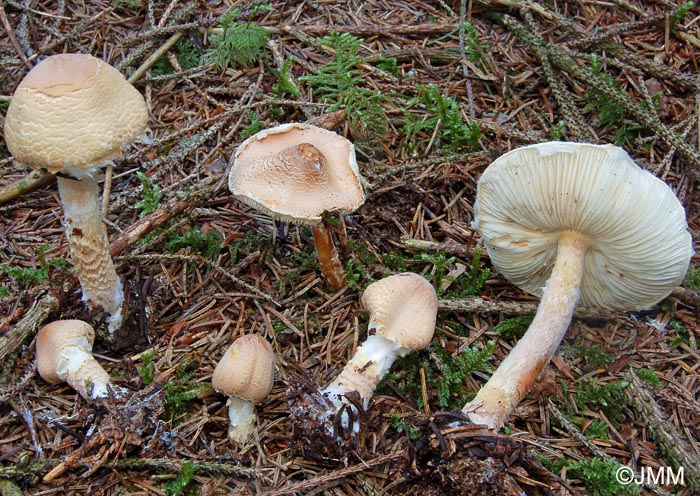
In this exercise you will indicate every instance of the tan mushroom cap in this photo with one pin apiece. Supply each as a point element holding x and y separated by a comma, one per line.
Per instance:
<point>56,336</point>
<point>72,111</point>
<point>403,309</point>
<point>295,172</point>
<point>639,247</point>
<point>246,370</point>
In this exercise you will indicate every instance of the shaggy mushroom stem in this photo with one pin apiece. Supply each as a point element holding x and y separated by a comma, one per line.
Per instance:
<point>328,257</point>
<point>519,370</point>
<point>89,246</point>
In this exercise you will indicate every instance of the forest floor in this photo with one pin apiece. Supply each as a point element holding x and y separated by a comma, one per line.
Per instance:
<point>430,93</point>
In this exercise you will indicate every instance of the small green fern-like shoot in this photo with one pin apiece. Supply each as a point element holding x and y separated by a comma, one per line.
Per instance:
<point>240,43</point>
<point>340,83</point>
<point>442,113</point>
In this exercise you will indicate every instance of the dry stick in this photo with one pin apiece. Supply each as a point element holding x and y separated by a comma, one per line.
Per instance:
<point>569,109</point>
<point>661,72</point>
<point>671,442</point>
<point>48,303</point>
<point>597,452</point>
<point>171,465</point>
<point>33,181</point>
<point>11,36</point>
<point>566,62</point>
<point>333,476</point>
<point>463,54</point>
<point>479,305</point>
<point>29,322</point>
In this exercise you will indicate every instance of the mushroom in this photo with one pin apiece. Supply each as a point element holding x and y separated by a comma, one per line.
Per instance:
<point>71,114</point>
<point>245,373</point>
<point>64,354</point>
<point>573,222</point>
<point>296,172</point>
<point>403,310</point>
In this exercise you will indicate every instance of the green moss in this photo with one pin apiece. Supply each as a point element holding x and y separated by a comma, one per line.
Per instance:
<point>429,111</point>
<point>513,328</point>
<point>444,374</point>
<point>240,43</point>
<point>340,83</point>
<point>649,376</point>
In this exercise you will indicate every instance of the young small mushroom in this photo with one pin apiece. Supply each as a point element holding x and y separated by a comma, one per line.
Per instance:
<point>573,222</point>
<point>70,115</point>
<point>296,172</point>
<point>64,354</point>
<point>245,374</point>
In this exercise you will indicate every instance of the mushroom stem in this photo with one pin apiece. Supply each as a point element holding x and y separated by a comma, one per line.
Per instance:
<point>241,414</point>
<point>82,372</point>
<point>369,364</point>
<point>327,255</point>
<point>89,246</point>
<point>519,370</point>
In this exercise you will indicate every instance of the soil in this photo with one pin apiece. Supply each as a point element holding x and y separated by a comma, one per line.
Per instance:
<point>430,93</point>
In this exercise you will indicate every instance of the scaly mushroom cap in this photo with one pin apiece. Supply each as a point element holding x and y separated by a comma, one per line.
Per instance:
<point>56,336</point>
<point>246,370</point>
<point>72,112</point>
<point>403,309</point>
<point>295,172</point>
<point>639,244</point>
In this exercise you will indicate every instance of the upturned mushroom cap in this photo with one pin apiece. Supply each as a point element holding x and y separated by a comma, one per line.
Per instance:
<point>639,244</point>
<point>295,172</point>
<point>72,112</point>
<point>246,370</point>
<point>55,337</point>
<point>403,308</point>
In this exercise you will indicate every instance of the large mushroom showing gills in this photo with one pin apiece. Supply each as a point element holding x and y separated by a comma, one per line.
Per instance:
<point>64,354</point>
<point>71,115</point>
<point>294,173</point>
<point>573,222</point>
<point>403,309</point>
<point>245,374</point>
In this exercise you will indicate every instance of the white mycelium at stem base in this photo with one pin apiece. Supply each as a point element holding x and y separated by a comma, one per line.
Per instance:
<point>241,416</point>
<point>519,370</point>
<point>369,364</point>
<point>573,222</point>
<point>64,354</point>
<point>403,310</point>
<point>89,247</point>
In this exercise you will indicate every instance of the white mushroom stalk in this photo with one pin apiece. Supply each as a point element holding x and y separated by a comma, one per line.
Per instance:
<point>403,310</point>
<point>70,115</point>
<point>573,222</point>
<point>64,354</point>
<point>245,374</point>
<point>517,373</point>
